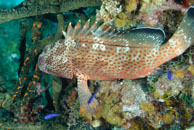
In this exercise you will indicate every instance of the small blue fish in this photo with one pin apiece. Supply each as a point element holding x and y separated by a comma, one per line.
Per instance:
<point>93,96</point>
<point>170,77</point>
<point>50,116</point>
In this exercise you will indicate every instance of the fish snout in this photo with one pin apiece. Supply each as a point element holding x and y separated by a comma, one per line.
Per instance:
<point>41,63</point>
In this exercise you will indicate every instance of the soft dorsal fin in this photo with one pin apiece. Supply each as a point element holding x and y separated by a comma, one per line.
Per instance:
<point>148,35</point>
<point>104,34</point>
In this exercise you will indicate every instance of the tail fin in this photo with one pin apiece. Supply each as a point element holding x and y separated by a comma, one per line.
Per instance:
<point>187,26</point>
<point>183,38</point>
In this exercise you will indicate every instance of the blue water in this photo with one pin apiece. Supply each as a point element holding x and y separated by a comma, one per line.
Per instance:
<point>9,37</point>
<point>9,3</point>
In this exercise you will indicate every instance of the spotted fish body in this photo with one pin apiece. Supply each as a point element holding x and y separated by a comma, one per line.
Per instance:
<point>100,53</point>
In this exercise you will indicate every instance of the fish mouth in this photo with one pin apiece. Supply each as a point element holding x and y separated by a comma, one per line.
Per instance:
<point>44,67</point>
<point>42,64</point>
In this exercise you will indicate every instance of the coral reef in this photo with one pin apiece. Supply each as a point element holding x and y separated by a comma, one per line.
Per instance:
<point>132,96</point>
<point>29,114</point>
<point>122,102</point>
<point>128,13</point>
<point>165,86</point>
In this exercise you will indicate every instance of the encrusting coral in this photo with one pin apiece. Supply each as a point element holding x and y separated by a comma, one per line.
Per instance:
<point>109,10</point>
<point>123,101</point>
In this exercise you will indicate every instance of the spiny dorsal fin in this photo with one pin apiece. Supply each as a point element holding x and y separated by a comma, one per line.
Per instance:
<point>104,34</point>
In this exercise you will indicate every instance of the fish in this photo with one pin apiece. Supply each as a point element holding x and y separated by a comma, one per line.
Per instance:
<point>170,77</point>
<point>93,96</point>
<point>102,53</point>
<point>50,116</point>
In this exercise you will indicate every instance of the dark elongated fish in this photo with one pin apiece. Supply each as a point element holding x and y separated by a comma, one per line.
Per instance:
<point>50,116</point>
<point>93,96</point>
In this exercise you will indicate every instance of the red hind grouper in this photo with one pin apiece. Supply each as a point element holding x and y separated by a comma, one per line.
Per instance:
<point>100,53</point>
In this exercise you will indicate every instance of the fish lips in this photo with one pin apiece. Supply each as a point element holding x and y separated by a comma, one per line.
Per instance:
<point>42,64</point>
<point>44,67</point>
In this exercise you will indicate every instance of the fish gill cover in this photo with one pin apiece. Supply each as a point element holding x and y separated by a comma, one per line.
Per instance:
<point>121,41</point>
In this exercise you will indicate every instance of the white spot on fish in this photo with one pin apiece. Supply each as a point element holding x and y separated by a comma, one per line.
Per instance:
<point>69,42</point>
<point>172,42</point>
<point>102,47</point>
<point>53,49</point>
<point>118,49</point>
<point>185,37</point>
<point>58,58</point>
<point>126,49</point>
<point>95,46</point>
<point>64,60</point>
<point>83,45</point>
